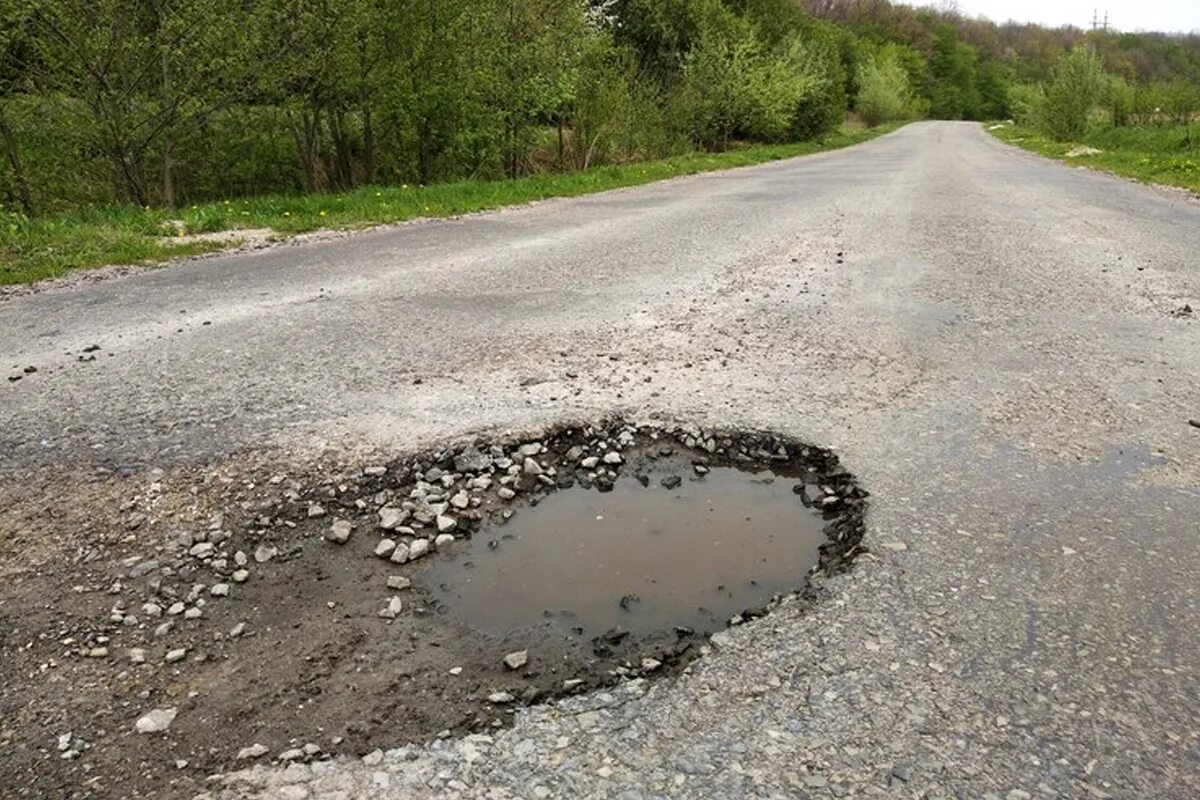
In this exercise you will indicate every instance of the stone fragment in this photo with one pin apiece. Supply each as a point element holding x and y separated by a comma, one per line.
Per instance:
<point>390,517</point>
<point>446,523</point>
<point>385,548</point>
<point>178,654</point>
<point>400,554</point>
<point>500,698</point>
<point>398,582</point>
<point>418,549</point>
<point>392,609</point>
<point>255,750</point>
<point>264,553</point>
<point>219,590</point>
<point>612,457</point>
<point>156,721</point>
<point>443,540</point>
<point>516,660</point>
<point>339,532</point>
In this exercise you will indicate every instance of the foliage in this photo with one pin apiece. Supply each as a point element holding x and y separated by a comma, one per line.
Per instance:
<point>1074,89</point>
<point>49,245</point>
<point>883,91</point>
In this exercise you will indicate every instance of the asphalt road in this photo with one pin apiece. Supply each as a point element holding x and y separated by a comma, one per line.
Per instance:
<point>994,354</point>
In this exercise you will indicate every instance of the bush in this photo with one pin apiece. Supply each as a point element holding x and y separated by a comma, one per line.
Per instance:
<point>1075,88</point>
<point>883,91</point>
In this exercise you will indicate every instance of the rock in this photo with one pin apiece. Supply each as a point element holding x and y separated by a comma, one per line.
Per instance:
<point>237,630</point>
<point>531,467</point>
<point>339,532</point>
<point>398,582</point>
<point>293,754</point>
<point>1083,150</point>
<point>590,462</point>
<point>418,548</point>
<point>471,460</point>
<point>671,482</point>
<point>651,664</point>
<point>375,471</point>
<point>202,550</point>
<point>390,517</point>
<point>460,500</point>
<point>516,660</point>
<point>400,554</point>
<point>315,510</point>
<point>505,493</point>
<point>253,751</point>
<point>572,683</point>
<point>264,553</point>
<point>137,655</point>
<point>156,721</point>
<point>613,457</point>
<point>443,540</point>
<point>178,654</point>
<point>446,523</point>
<point>700,469</point>
<point>385,548</point>
<point>241,575</point>
<point>373,758</point>
<point>902,772</point>
<point>530,449</point>
<point>393,609</point>
<point>219,590</point>
<point>500,698</point>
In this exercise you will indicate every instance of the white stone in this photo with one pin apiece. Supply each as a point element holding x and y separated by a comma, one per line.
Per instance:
<point>156,721</point>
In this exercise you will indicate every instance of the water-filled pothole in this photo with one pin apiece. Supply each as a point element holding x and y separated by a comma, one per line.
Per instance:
<point>666,549</point>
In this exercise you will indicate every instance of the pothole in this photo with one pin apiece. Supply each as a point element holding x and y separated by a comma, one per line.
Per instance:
<point>294,618</point>
<point>665,549</point>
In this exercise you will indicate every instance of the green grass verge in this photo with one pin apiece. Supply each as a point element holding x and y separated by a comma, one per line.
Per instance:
<point>46,247</point>
<point>1168,154</point>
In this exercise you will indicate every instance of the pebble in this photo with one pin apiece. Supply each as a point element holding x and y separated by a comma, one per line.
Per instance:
<point>385,548</point>
<point>590,462</point>
<point>315,510</point>
<point>505,493</point>
<point>613,457</point>
<point>240,575</point>
<point>392,610</point>
<point>137,655</point>
<point>178,654</point>
<point>237,630</point>
<point>460,500</point>
<point>390,517</point>
<point>219,590</point>
<point>400,554</point>
<point>516,660</point>
<point>531,467</point>
<point>443,539</point>
<point>253,751</point>
<point>156,721</point>
<point>500,698</point>
<point>398,582</point>
<point>446,523</point>
<point>339,532</point>
<point>264,553</point>
<point>417,549</point>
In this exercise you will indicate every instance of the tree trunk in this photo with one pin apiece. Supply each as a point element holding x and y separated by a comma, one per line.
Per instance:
<point>368,141</point>
<point>13,149</point>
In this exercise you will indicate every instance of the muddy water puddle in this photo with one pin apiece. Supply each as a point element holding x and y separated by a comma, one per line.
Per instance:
<point>641,558</point>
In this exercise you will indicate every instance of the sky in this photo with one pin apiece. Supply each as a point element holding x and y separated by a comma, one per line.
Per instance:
<point>1124,15</point>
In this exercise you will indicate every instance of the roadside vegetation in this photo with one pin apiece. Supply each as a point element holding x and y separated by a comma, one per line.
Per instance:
<point>124,122</point>
<point>48,246</point>
<point>1091,116</point>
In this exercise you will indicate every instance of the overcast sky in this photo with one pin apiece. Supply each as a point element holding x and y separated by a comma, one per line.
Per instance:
<point>1125,15</point>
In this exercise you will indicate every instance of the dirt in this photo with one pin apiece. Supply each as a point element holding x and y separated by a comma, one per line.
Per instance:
<point>315,664</point>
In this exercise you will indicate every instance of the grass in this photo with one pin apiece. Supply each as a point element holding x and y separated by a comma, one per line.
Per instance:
<point>33,249</point>
<point>1166,154</point>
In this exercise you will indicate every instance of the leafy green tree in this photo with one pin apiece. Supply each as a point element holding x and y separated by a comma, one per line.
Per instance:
<point>883,91</point>
<point>1073,91</point>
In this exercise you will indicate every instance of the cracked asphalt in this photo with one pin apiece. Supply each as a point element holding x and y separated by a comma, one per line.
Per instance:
<point>992,342</point>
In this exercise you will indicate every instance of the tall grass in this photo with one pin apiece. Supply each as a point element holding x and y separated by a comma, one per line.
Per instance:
<point>1166,154</point>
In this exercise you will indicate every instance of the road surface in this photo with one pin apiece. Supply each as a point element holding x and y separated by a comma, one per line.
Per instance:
<point>993,342</point>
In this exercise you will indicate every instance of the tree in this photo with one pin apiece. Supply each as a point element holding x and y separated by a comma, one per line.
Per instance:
<point>883,94</point>
<point>1073,91</point>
